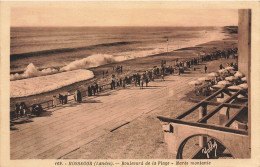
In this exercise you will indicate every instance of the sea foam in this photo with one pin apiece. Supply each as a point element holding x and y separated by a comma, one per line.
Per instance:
<point>90,61</point>
<point>32,71</point>
<point>96,60</point>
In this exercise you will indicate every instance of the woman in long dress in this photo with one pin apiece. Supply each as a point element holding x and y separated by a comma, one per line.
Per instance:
<point>79,97</point>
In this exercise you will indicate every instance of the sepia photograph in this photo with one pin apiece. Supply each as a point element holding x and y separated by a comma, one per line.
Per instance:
<point>131,81</point>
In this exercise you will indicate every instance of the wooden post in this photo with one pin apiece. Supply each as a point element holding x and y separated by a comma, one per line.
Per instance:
<point>202,113</point>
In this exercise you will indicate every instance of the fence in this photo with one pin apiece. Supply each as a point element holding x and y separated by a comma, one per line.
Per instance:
<point>49,104</point>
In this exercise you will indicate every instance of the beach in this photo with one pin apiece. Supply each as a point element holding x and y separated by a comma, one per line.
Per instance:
<point>136,65</point>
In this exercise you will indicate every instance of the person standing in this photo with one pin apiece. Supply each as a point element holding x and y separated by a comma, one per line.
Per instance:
<point>162,79</point>
<point>146,82</point>
<point>96,88</point>
<point>205,68</point>
<point>111,85</point>
<point>114,84</point>
<point>54,99</point>
<point>142,84</point>
<point>124,82</point>
<point>220,66</point>
<point>76,95</point>
<point>117,83</point>
<point>17,110</point>
<point>93,89</point>
<point>89,91</point>
<point>79,97</point>
<point>120,82</point>
<point>61,98</point>
<point>138,79</point>
<point>65,97</point>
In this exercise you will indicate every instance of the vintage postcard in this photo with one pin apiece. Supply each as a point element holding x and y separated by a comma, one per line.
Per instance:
<point>130,83</point>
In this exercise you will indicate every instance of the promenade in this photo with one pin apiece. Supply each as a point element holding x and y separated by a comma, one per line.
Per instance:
<point>117,123</point>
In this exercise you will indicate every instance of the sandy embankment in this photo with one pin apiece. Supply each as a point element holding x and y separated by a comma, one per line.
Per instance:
<point>37,85</point>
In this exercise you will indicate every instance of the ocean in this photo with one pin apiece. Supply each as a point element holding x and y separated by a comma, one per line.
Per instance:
<point>71,48</point>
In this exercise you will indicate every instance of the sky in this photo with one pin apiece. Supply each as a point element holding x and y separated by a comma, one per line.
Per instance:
<point>121,15</point>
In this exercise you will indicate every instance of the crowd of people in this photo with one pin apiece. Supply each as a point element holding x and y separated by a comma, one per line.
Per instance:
<point>137,79</point>
<point>105,73</point>
<point>118,69</point>
<point>235,65</point>
<point>23,111</point>
<point>94,89</point>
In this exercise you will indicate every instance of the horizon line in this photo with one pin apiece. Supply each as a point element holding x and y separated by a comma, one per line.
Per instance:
<point>111,26</point>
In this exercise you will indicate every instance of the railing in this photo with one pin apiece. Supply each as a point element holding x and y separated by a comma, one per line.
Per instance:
<point>202,121</point>
<point>49,104</point>
<point>202,125</point>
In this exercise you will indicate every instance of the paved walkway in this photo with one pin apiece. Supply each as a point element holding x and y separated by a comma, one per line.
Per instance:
<point>65,129</point>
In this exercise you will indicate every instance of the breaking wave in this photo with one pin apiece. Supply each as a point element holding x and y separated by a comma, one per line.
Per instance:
<point>32,71</point>
<point>90,61</point>
<point>101,59</point>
